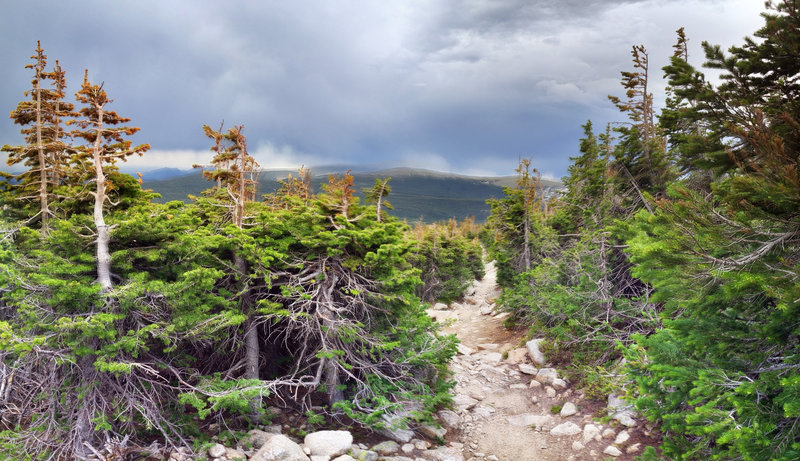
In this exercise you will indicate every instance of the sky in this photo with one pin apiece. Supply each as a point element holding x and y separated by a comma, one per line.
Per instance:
<point>462,86</point>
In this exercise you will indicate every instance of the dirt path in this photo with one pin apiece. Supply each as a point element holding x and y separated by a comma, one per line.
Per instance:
<point>507,408</point>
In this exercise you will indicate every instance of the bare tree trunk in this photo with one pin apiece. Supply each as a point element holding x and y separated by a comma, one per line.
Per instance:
<point>44,210</point>
<point>526,251</point>
<point>103,230</point>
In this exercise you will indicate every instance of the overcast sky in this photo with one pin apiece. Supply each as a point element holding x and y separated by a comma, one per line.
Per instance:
<point>466,86</point>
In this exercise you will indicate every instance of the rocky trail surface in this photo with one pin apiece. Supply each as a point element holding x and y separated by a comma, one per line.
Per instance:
<point>511,406</point>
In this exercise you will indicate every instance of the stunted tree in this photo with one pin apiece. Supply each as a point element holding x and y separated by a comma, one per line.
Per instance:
<point>44,152</point>
<point>233,169</point>
<point>377,195</point>
<point>105,146</point>
<point>338,199</point>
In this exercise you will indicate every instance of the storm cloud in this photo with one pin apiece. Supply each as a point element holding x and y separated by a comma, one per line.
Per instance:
<point>466,86</point>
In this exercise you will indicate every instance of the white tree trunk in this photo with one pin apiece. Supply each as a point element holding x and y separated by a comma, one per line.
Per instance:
<point>103,230</point>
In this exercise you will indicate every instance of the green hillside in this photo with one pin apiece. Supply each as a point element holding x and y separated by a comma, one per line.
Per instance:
<point>416,194</point>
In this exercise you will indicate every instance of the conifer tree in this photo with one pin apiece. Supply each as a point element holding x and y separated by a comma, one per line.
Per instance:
<point>105,147</point>
<point>377,195</point>
<point>45,151</point>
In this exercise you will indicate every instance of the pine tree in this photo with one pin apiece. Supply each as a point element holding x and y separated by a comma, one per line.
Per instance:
<point>377,195</point>
<point>45,151</point>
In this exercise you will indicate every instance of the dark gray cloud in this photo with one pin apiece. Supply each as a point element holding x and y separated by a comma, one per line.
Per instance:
<point>459,85</point>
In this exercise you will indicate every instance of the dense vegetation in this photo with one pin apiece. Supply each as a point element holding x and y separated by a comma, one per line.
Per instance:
<point>675,246</point>
<point>127,324</point>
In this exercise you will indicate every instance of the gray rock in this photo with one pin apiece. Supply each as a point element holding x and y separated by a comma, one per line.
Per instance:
<point>546,375</point>
<point>487,309</point>
<point>257,438</point>
<point>396,424</point>
<point>633,448</point>
<point>550,391</point>
<point>235,455</point>
<point>345,458</point>
<point>577,446</point>
<point>621,410</point>
<point>320,458</point>
<point>441,307</point>
<point>407,448</point>
<point>329,443</point>
<point>622,437</point>
<point>487,346</point>
<point>611,450</point>
<point>535,352</point>
<point>280,448</point>
<point>464,350</point>
<point>590,432</point>
<point>432,432</point>
<point>361,454</point>
<point>444,454</point>
<point>529,419</point>
<point>517,355</point>
<point>568,428</point>
<point>568,409</point>
<point>463,402</point>
<point>559,384</point>
<point>528,369</point>
<point>388,447</point>
<point>609,433</point>
<point>450,419</point>
<point>491,358</point>
<point>216,451</point>
<point>492,458</point>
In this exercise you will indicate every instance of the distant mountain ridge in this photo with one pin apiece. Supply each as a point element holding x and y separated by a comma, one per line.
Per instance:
<point>417,194</point>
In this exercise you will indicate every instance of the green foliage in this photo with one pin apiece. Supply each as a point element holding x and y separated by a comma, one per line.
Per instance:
<point>448,256</point>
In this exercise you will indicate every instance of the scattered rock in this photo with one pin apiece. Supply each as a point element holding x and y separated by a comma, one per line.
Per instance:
<point>559,384</point>
<point>234,454</point>
<point>258,438</point>
<point>280,448</point>
<point>487,347</point>
<point>421,444</point>
<point>492,358</point>
<point>216,451</point>
<point>546,375</point>
<point>444,454</point>
<point>517,355</point>
<point>362,454</point>
<point>621,410</point>
<point>464,402</point>
<point>432,432</point>
<point>486,309</point>
<point>464,350</point>
<point>550,392</point>
<point>535,384</point>
<point>577,446</point>
<point>528,369</point>
<point>568,409</point>
<point>611,450</point>
<point>440,307</point>
<point>534,351</point>
<point>622,437</point>
<point>609,433</point>
<point>633,448</point>
<point>388,447</point>
<point>329,443</point>
<point>492,458</point>
<point>590,432</point>
<point>407,447</point>
<point>450,419</point>
<point>344,458</point>
<point>320,458</point>
<point>529,419</point>
<point>502,315</point>
<point>568,428</point>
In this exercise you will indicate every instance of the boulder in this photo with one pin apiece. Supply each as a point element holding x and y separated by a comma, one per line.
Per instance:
<point>517,355</point>
<point>546,375</point>
<point>257,438</point>
<point>463,402</point>
<point>432,432</point>
<point>450,419</point>
<point>535,352</point>
<point>280,448</point>
<point>329,443</point>
<point>444,454</point>
<point>568,409</point>
<point>528,369</point>
<point>388,447</point>
<point>611,450</point>
<point>216,451</point>
<point>568,428</point>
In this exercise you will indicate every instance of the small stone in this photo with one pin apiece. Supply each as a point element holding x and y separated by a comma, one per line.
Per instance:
<point>235,455</point>
<point>559,384</point>
<point>421,444</point>
<point>257,438</point>
<point>280,447</point>
<point>440,306</point>
<point>546,375</point>
<point>611,450</point>
<point>329,443</point>
<point>529,419</point>
<point>388,447</point>
<point>444,454</point>
<point>633,448</point>
<point>464,350</point>
<point>486,309</point>
<point>535,352</point>
<point>550,391</point>
<point>590,432</point>
<point>432,431</point>
<point>320,458</point>
<point>609,433</point>
<point>568,409</point>
<point>517,355</point>
<point>216,451</point>
<point>593,453</point>
<point>568,428</point>
<point>528,369</point>
<point>487,347</point>
<point>407,448</point>
<point>622,437</point>
<point>492,458</point>
<point>449,418</point>
<point>577,446</point>
<point>535,399</point>
<point>534,384</point>
<point>464,402</point>
<point>518,386</point>
<point>344,458</point>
